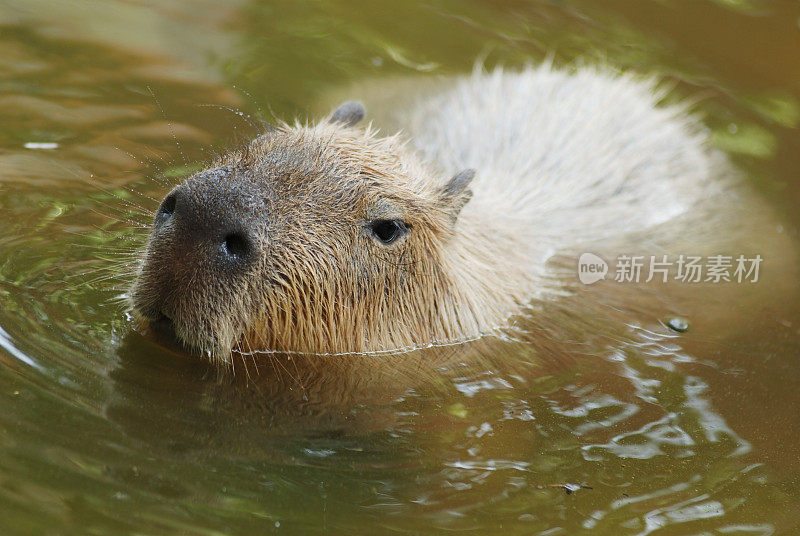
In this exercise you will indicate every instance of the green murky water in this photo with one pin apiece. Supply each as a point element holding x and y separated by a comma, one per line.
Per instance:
<point>105,103</point>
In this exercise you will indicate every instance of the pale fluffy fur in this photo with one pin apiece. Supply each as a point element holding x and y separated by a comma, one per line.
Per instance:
<point>567,157</point>
<point>563,158</point>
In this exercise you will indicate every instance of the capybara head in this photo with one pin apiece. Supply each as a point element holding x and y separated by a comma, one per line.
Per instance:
<point>314,239</point>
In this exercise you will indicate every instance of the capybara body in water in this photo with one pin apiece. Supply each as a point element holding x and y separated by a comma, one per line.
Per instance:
<point>333,238</point>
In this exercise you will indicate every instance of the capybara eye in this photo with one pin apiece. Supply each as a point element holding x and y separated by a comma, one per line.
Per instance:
<point>388,231</point>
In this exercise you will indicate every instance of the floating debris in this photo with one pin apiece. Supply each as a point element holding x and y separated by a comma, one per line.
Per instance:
<point>678,324</point>
<point>568,488</point>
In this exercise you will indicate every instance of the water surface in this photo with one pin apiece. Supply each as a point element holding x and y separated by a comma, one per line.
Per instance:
<point>105,104</point>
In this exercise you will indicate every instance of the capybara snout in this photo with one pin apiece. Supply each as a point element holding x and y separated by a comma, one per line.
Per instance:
<point>212,219</point>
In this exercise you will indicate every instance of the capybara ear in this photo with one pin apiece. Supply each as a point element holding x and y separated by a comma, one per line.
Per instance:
<point>348,114</point>
<point>456,193</point>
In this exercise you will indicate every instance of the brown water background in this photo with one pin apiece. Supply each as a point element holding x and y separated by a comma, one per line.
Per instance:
<point>105,103</point>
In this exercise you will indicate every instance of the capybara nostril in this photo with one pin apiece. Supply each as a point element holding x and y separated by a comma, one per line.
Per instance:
<point>167,207</point>
<point>236,246</point>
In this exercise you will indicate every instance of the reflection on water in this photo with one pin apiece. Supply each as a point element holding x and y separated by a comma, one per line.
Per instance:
<point>104,431</point>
